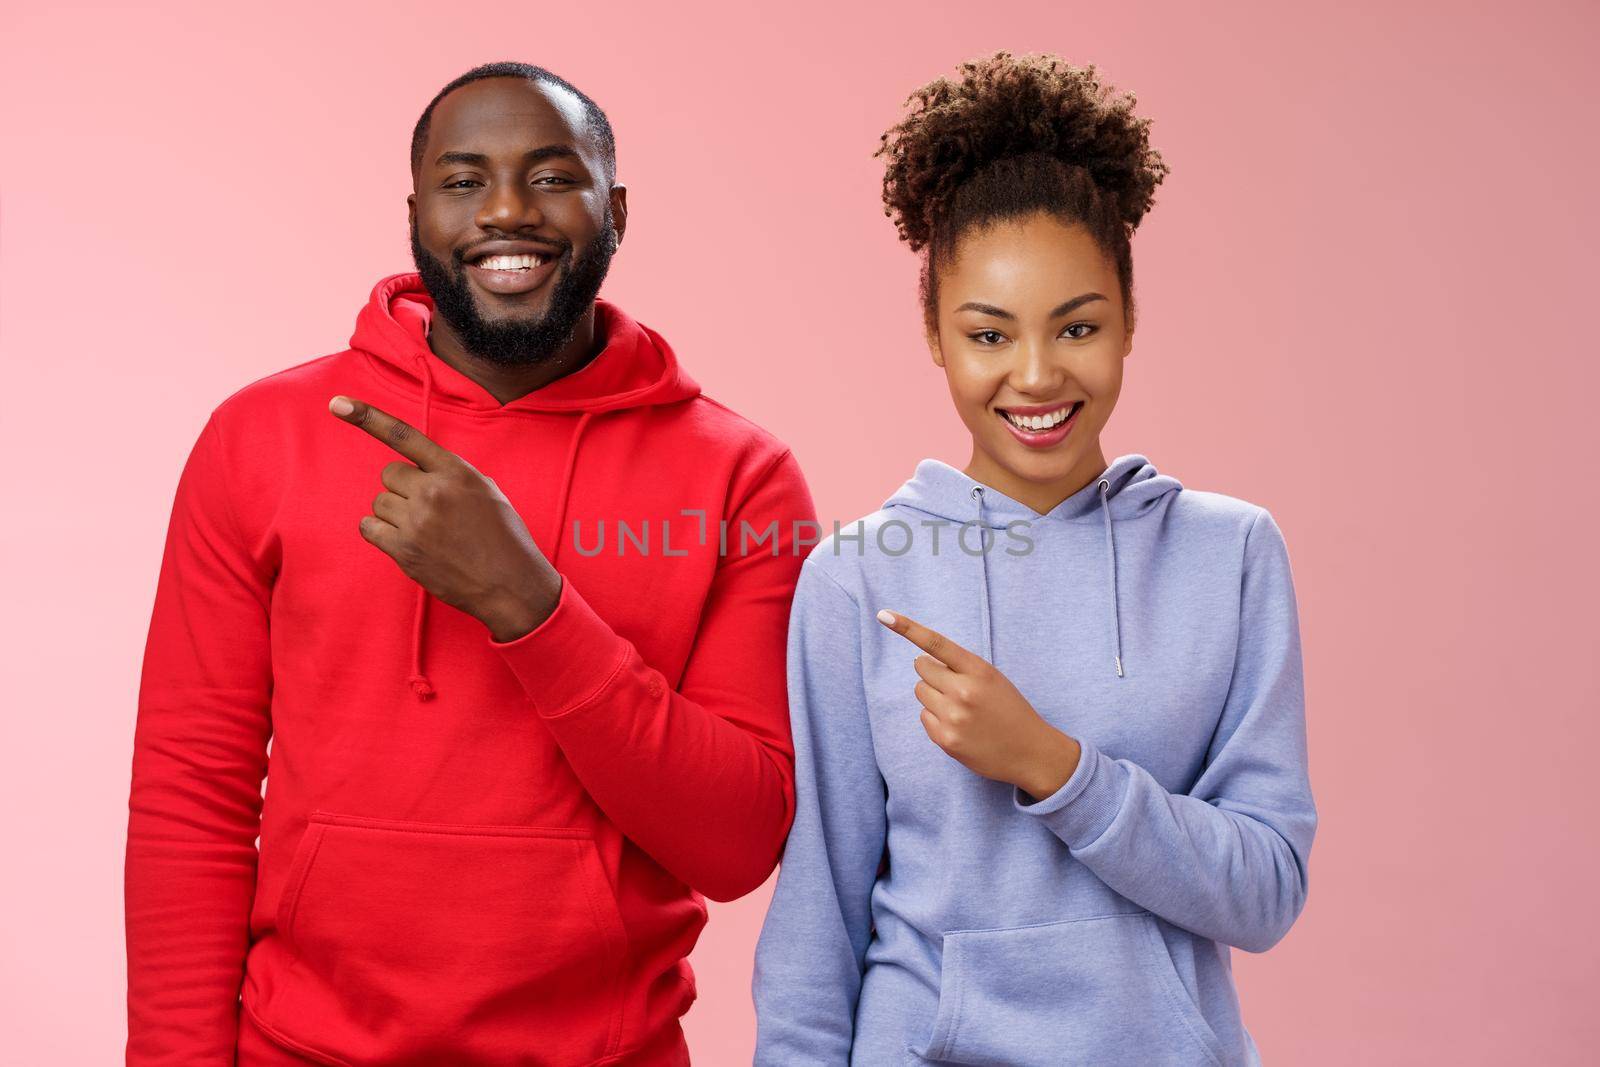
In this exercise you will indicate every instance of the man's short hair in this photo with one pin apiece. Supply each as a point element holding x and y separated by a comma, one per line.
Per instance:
<point>599,125</point>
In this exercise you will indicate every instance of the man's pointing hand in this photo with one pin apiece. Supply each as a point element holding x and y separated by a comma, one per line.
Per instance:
<point>452,530</point>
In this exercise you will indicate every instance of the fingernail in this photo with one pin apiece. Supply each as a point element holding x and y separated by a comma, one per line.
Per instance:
<point>341,406</point>
<point>886,617</point>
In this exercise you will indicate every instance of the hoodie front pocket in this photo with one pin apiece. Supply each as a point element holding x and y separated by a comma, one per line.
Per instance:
<point>1096,991</point>
<point>427,943</point>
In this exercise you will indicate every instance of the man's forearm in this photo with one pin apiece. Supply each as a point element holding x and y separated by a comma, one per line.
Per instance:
<point>709,799</point>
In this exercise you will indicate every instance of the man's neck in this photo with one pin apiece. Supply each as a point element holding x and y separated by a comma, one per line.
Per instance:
<point>507,383</point>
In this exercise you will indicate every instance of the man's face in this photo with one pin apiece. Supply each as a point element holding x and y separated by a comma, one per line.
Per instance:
<point>514,219</point>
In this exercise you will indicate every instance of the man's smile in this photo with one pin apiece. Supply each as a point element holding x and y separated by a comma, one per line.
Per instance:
<point>511,267</point>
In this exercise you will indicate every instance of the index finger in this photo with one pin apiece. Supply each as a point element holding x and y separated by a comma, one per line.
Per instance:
<point>398,435</point>
<point>933,642</point>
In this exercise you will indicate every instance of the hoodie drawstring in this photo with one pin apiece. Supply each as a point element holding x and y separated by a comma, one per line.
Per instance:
<point>983,576</point>
<point>566,487</point>
<point>420,684</point>
<point>1111,569</point>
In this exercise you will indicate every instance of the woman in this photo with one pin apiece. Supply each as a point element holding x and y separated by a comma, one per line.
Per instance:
<point>1048,710</point>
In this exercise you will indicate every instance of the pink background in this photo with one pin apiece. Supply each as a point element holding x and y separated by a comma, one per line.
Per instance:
<point>1361,291</point>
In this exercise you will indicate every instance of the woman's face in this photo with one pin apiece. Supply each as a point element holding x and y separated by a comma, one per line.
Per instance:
<point>1031,335</point>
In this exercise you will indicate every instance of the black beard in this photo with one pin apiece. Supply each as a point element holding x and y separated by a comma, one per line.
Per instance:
<point>514,342</point>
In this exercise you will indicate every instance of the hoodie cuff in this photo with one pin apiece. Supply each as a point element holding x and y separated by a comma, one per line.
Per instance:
<point>569,659</point>
<point>1086,805</point>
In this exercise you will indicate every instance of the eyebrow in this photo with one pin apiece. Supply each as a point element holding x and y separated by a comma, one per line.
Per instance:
<point>1001,313</point>
<point>533,155</point>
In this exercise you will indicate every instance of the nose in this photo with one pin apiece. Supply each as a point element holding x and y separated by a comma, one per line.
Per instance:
<point>509,206</point>
<point>1036,370</point>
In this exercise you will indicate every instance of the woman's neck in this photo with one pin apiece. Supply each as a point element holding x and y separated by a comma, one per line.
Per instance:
<point>1042,497</point>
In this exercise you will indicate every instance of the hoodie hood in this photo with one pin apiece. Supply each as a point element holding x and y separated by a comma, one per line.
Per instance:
<point>635,369</point>
<point>1129,487</point>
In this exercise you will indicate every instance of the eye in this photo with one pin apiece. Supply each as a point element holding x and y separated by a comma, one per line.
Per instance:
<point>458,181</point>
<point>556,178</point>
<point>987,338</point>
<point>1087,327</point>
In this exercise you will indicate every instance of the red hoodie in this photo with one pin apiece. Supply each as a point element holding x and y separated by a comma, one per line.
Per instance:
<point>471,852</point>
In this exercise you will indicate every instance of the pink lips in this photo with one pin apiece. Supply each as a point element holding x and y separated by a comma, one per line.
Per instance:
<point>1052,436</point>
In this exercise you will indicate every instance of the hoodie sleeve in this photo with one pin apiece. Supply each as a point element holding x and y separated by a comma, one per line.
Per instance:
<point>701,777</point>
<point>1227,860</point>
<point>810,955</point>
<point>199,756</point>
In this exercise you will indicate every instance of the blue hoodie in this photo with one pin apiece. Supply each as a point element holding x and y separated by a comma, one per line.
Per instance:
<point>925,914</point>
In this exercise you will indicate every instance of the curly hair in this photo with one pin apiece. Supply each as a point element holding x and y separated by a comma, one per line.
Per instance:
<point>1015,136</point>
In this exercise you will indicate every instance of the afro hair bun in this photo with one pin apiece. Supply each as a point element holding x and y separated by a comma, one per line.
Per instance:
<point>1003,107</point>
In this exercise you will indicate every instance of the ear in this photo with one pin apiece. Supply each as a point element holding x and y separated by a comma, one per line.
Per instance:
<point>411,210</point>
<point>932,339</point>
<point>1127,343</point>
<point>619,210</point>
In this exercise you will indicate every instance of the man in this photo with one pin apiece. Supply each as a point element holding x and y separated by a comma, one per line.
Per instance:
<point>526,706</point>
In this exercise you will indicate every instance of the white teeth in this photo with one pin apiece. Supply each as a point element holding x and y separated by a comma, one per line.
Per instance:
<point>1039,422</point>
<point>509,262</point>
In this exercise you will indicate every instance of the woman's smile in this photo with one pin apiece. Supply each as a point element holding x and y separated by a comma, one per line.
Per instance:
<point>1040,427</point>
